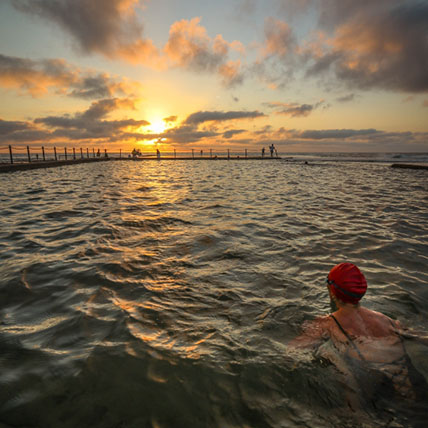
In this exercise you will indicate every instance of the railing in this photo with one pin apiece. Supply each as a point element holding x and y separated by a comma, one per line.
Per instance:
<point>26,154</point>
<point>31,154</point>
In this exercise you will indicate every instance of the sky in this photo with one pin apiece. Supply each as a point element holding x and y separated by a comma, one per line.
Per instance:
<point>304,75</point>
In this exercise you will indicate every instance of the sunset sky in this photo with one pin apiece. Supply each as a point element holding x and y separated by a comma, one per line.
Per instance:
<point>306,75</point>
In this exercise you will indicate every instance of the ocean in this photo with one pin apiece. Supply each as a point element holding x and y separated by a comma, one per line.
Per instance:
<point>164,294</point>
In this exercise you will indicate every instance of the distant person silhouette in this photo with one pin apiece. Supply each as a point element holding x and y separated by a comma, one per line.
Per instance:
<point>158,153</point>
<point>263,152</point>
<point>272,149</point>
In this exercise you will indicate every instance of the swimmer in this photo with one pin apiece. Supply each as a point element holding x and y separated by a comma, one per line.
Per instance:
<point>346,286</point>
<point>364,341</point>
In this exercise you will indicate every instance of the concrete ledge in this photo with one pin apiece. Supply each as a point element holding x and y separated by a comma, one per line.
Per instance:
<point>46,164</point>
<point>196,158</point>
<point>409,166</point>
<point>23,166</point>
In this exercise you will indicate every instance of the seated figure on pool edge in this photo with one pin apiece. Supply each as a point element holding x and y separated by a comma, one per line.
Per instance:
<point>362,337</point>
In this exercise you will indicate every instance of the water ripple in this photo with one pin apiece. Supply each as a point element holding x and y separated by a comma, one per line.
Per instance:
<point>125,281</point>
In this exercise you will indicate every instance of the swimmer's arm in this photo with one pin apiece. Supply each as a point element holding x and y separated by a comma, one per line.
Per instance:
<point>313,334</point>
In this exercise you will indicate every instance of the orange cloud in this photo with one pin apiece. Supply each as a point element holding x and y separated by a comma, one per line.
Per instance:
<point>231,73</point>
<point>142,52</point>
<point>190,47</point>
<point>32,77</point>
<point>39,77</point>
<point>279,38</point>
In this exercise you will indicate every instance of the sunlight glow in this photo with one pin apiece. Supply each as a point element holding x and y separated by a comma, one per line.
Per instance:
<point>157,126</point>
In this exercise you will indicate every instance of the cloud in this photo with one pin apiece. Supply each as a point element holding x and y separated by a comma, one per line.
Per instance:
<point>97,110</point>
<point>18,131</point>
<point>294,109</point>
<point>279,39</point>
<point>91,124</point>
<point>232,132</point>
<point>244,8</point>
<point>34,77</point>
<point>170,119</point>
<point>189,47</point>
<point>342,140</point>
<point>332,13</point>
<point>335,133</point>
<point>231,73</point>
<point>185,134</point>
<point>263,131</point>
<point>109,27</point>
<point>38,77</point>
<point>346,98</point>
<point>98,86</point>
<point>102,108</point>
<point>94,125</point>
<point>9,127</point>
<point>278,55</point>
<point>291,8</point>
<point>380,44</point>
<point>220,116</point>
<point>189,130</point>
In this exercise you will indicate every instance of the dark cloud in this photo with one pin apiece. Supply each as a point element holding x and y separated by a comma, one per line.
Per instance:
<point>18,131</point>
<point>346,98</point>
<point>38,77</point>
<point>189,131</point>
<point>109,27</point>
<point>221,116</point>
<point>95,24</point>
<point>91,123</point>
<point>9,127</point>
<point>294,109</point>
<point>370,140</point>
<point>244,9</point>
<point>102,108</point>
<point>265,130</point>
<point>232,132</point>
<point>90,117</point>
<point>95,87</point>
<point>335,133</point>
<point>380,44</point>
<point>361,44</point>
<point>170,119</point>
<point>187,134</point>
<point>278,60</point>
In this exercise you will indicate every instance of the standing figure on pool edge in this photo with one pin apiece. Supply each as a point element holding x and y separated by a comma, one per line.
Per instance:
<point>369,343</point>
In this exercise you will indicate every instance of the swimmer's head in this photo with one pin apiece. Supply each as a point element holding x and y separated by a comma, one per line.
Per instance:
<point>347,283</point>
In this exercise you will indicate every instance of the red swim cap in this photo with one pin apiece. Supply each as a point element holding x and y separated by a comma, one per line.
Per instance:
<point>347,283</point>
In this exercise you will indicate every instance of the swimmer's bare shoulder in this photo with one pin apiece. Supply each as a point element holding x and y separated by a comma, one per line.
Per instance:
<point>379,324</point>
<point>313,333</point>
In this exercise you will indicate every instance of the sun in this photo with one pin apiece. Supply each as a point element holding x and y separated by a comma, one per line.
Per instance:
<point>157,126</point>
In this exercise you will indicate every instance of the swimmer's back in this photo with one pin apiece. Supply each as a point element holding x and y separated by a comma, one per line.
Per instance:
<point>367,323</point>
